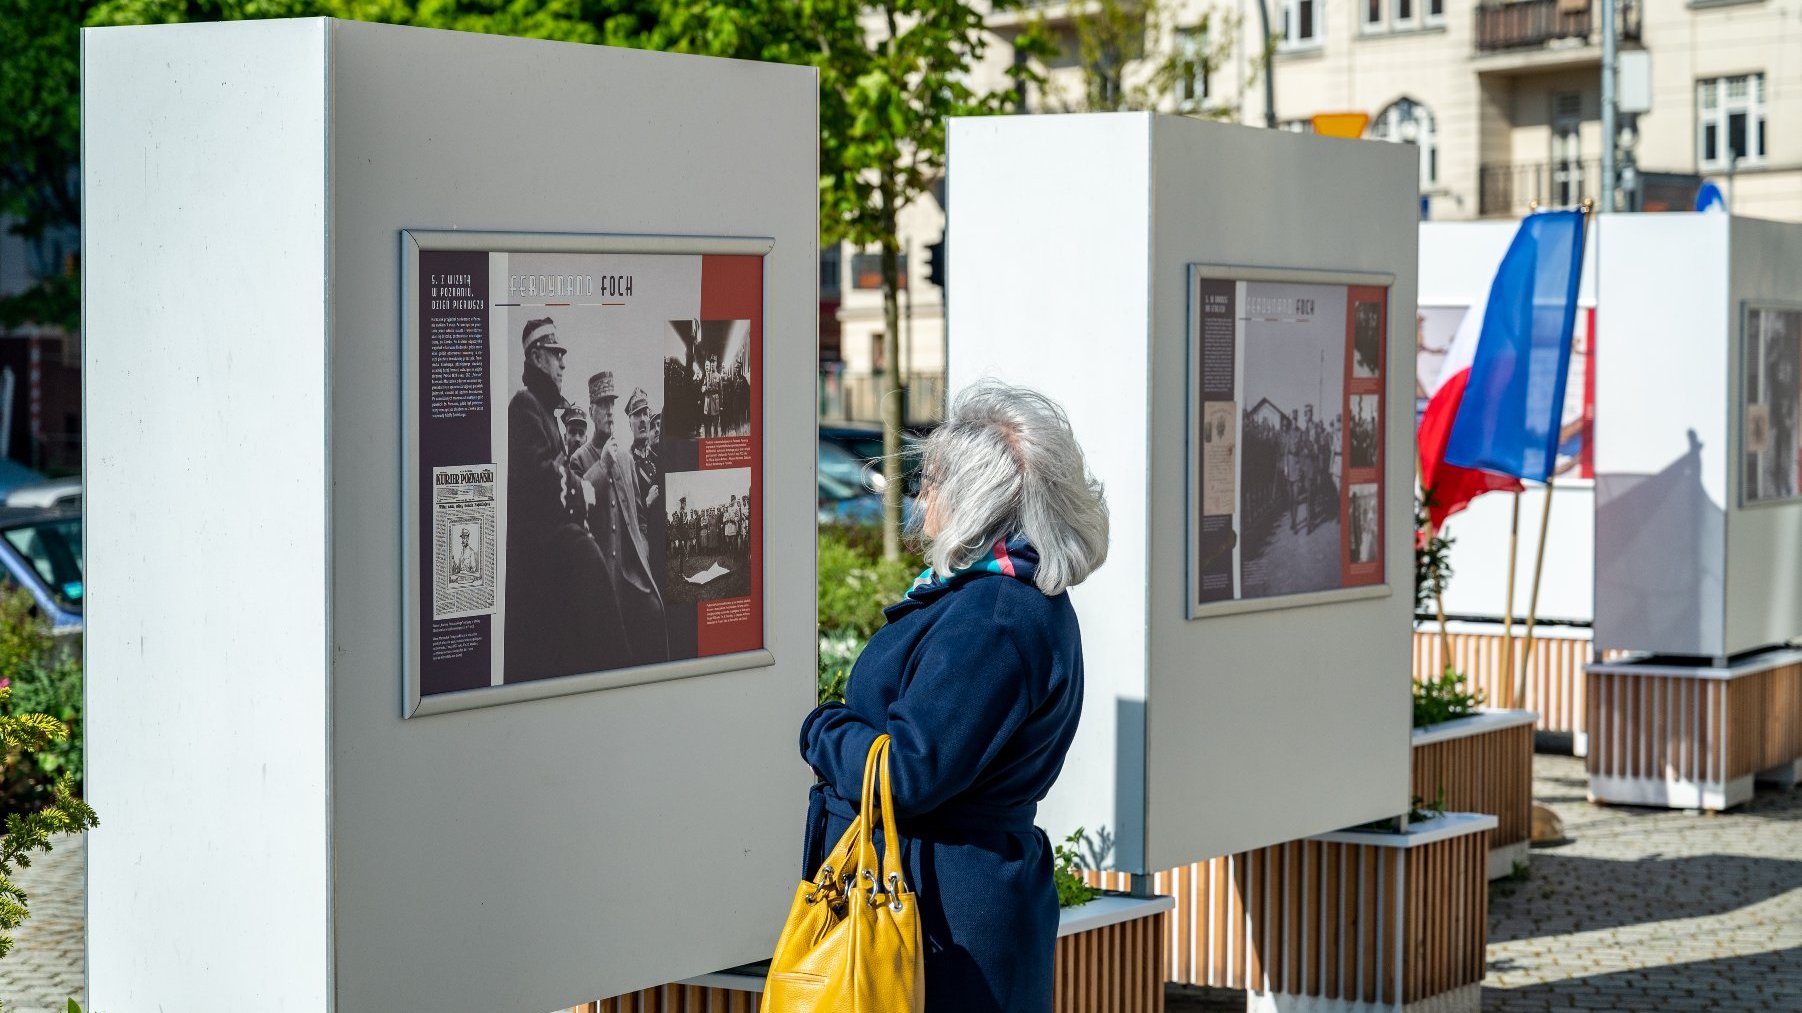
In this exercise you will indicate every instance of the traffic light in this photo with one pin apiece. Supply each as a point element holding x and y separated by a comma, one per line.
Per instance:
<point>935,262</point>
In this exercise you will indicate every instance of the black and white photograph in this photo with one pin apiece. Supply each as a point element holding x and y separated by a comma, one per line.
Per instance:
<point>584,491</point>
<point>464,547</point>
<point>707,378</point>
<point>1367,340</point>
<point>1293,388</point>
<point>1364,427</point>
<point>708,532</point>
<point>1773,405</point>
<point>1362,533</point>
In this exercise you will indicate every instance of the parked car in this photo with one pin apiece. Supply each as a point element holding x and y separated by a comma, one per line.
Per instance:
<point>41,551</point>
<point>866,445</point>
<point>56,492</point>
<point>851,488</point>
<point>14,475</point>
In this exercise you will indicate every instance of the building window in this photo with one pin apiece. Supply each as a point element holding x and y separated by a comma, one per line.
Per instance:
<point>1376,16</point>
<point>866,270</point>
<point>1402,14</point>
<point>1567,150</point>
<point>1435,12</point>
<point>1296,126</point>
<point>1730,121</point>
<point>1191,68</point>
<point>831,270</point>
<point>1372,18</point>
<point>1301,24</point>
<point>1408,122</point>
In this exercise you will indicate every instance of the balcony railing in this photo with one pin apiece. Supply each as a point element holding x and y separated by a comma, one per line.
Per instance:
<point>1505,25</point>
<point>1514,188</point>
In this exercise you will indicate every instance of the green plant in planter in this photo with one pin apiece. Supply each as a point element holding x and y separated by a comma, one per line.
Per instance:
<point>1432,561</point>
<point>856,584</point>
<point>31,827</point>
<point>1065,873</point>
<point>1443,699</point>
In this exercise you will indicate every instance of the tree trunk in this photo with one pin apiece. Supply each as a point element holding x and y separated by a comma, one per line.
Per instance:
<point>893,387</point>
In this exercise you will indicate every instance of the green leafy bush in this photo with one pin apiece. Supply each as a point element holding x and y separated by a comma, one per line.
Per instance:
<point>856,584</point>
<point>1443,699</point>
<point>43,675</point>
<point>1432,561</point>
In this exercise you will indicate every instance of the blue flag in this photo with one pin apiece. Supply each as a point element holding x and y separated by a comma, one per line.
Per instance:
<point>1514,403</point>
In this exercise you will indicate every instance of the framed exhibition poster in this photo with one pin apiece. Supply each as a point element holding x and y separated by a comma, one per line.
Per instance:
<point>1771,404</point>
<point>1286,423</point>
<point>584,455</point>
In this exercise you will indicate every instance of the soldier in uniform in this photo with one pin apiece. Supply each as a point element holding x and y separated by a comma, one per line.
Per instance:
<point>644,457</point>
<point>613,506</point>
<point>710,398</point>
<point>562,615</point>
<point>463,568</point>
<point>1292,456</point>
<point>679,524</point>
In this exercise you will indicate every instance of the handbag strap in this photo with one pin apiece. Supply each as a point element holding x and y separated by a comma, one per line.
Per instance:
<point>876,781</point>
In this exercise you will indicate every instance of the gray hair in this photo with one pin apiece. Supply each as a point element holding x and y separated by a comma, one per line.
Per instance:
<point>1005,463</point>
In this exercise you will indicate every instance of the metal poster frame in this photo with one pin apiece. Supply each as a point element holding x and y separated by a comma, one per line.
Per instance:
<point>1742,405</point>
<point>413,704</point>
<point>1193,608</point>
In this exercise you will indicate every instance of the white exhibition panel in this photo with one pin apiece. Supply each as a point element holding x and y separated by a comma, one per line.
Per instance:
<point>1206,737</point>
<point>208,879</point>
<point>1458,260</point>
<point>1764,542</point>
<point>1664,435</point>
<point>522,857</point>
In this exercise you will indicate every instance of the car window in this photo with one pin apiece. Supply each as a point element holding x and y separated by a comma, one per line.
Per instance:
<point>53,548</point>
<point>841,473</point>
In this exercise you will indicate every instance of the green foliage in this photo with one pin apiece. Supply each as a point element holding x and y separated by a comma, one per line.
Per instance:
<point>1432,560</point>
<point>1443,699</point>
<point>31,827</point>
<point>856,584</point>
<point>1065,873</point>
<point>1111,41</point>
<point>43,679</point>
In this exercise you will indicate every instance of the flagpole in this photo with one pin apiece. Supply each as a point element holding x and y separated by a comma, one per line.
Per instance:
<point>1545,518</point>
<point>1508,611</point>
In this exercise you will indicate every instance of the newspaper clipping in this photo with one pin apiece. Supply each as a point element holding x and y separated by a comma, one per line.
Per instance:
<point>463,528</point>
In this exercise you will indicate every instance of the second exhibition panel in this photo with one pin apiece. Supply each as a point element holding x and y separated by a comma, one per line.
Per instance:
<point>1227,314</point>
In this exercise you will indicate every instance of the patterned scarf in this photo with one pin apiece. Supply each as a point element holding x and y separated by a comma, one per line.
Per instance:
<point>1013,557</point>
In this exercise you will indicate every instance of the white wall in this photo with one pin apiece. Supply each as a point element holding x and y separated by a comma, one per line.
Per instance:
<point>1072,237</point>
<point>248,184</point>
<point>208,628</point>
<point>1663,442</point>
<point>1052,293</point>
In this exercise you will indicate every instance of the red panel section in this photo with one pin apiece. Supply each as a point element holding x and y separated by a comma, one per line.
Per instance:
<point>732,289</point>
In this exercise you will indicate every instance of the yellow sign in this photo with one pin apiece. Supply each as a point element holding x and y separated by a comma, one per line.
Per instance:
<point>1341,124</point>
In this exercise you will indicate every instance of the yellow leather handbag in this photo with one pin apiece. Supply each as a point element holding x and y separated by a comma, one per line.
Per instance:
<point>852,942</point>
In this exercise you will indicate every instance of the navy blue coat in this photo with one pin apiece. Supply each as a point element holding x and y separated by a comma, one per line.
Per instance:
<point>979,687</point>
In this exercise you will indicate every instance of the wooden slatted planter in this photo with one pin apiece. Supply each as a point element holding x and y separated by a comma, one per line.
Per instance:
<point>1556,690</point>
<point>1483,764</point>
<point>1348,922</point>
<point>1110,955</point>
<point>1694,737</point>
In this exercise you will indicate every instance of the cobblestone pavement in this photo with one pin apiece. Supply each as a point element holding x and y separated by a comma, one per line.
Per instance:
<point>45,968</point>
<point>1642,910</point>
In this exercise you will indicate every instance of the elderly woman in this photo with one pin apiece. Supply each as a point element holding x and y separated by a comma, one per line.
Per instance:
<point>977,679</point>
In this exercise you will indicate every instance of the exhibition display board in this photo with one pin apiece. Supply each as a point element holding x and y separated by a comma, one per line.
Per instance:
<point>1238,376</point>
<point>445,393</point>
<point>1698,524</point>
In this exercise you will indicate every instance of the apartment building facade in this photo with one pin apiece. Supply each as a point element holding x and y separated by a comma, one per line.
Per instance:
<point>1502,97</point>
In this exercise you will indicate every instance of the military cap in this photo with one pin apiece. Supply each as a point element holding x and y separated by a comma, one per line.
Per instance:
<point>600,386</point>
<point>638,402</point>
<point>575,413</point>
<point>534,335</point>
